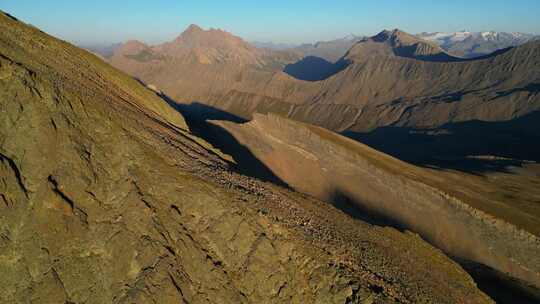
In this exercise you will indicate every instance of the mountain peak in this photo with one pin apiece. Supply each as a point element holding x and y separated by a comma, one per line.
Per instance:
<point>195,32</point>
<point>191,31</point>
<point>131,47</point>
<point>399,43</point>
<point>207,46</point>
<point>392,35</point>
<point>134,42</point>
<point>193,28</point>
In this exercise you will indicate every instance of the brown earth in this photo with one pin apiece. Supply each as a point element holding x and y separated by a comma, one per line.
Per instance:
<point>107,197</point>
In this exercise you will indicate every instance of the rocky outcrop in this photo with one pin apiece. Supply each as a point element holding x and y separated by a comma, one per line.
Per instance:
<point>107,197</point>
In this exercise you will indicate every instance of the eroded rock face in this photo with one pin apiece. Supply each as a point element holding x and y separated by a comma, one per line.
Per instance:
<point>106,197</point>
<point>456,212</point>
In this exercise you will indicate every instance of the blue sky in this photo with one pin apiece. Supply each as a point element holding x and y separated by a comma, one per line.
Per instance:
<point>107,21</point>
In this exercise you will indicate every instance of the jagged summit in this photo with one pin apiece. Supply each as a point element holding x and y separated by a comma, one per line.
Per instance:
<point>196,36</point>
<point>195,32</point>
<point>398,38</point>
<point>194,28</point>
<point>385,35</point>
<point>197,45</point>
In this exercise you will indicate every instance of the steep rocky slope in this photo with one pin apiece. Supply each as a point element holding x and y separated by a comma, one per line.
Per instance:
<point>459,213</point>
<point>106,197</point>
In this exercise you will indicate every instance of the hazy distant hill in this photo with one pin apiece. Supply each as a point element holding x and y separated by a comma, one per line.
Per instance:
<point>329,50</point>
<point>273,46</point>
<point>104,50</point>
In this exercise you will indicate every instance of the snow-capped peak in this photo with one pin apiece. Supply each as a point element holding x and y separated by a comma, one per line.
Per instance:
<point>491,35</point>
<point>450,38</point>
<point>350,37</point>
<point>441,37</point>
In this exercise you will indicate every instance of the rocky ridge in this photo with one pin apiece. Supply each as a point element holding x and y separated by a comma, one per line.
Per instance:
<point>441,206</point>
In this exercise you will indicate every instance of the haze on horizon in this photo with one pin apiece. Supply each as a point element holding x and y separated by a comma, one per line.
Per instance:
<point>104,22</point>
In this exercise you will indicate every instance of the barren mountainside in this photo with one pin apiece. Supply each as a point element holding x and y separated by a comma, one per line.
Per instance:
<point>106,196</point>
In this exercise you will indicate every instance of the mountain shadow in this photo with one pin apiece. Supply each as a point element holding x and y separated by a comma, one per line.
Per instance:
<point>497,285</point>
<point>313,68</point>
<point>198,115</point>
<point>501,287</point>
<point>410,52</point>
<point>347,204</point>
<point>473,146</point>
<point>532,88</point>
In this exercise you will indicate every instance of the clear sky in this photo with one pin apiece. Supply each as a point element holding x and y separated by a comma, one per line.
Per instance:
<point>289,21</point>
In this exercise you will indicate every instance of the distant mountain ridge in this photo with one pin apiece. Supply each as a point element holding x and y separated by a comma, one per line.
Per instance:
<point>103,50</point>
<point>473,44</point>
<point>462,44</point>
<point>400,44</point>
<point>331,50</point>
<point>273,45</point>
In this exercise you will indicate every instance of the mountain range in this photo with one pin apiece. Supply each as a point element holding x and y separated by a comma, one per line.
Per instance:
<point>331,50</point>
<point>394,77</point>
<point>463,44</point>
<point>474,44</point>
